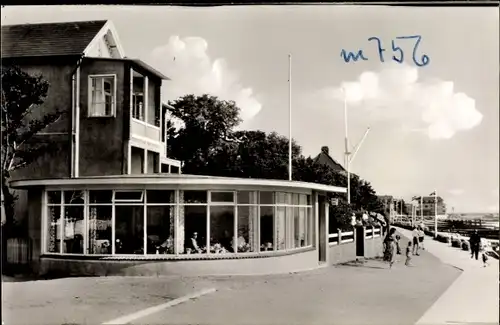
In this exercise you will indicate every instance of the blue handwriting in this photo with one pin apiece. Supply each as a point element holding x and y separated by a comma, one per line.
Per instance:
<point>398,53</point>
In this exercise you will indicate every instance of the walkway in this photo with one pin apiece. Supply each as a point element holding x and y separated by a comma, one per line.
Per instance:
<point>473,297</point>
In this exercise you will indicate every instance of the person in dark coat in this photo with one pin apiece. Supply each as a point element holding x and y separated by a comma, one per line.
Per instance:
<point>475,242</point>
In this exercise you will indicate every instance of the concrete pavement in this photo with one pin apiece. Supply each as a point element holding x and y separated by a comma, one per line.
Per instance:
<point>473,297</point>
<point>368,293</point>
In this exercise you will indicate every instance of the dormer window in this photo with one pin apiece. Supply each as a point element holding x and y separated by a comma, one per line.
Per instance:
<point>102,96</point>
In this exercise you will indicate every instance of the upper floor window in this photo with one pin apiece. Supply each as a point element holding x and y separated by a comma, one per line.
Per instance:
<point>102,92</point>
<point>138,106</point>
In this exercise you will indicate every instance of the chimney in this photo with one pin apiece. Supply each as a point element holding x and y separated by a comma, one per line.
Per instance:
<point>324,149</point>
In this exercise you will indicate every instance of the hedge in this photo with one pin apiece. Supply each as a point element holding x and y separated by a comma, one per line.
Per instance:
<point>456,243</point>
<point>465,245</point>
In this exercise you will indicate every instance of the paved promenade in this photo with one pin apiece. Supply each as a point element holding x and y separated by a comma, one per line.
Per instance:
<point>473,297</point>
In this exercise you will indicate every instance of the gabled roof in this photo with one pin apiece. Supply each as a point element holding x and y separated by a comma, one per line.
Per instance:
<point>49,39</point>
<point>325,159</point>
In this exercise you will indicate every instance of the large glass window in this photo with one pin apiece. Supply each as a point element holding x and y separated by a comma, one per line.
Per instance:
<point>222,229</point>
<point>104,222</point>
<point>100,229</point>
<point>73,222</point>
<point>194,221</point>
<point>129,229</point>
<point>266,228</point>
<point>160,229</point>
<point>247,240</point>
<point>100,222</point>
<point>53,244</point>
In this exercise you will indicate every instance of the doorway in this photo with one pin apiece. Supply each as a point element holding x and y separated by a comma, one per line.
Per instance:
<point>322,229</point>
<point>360,241</point>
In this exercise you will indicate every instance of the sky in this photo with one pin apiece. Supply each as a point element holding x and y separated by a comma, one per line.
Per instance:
<point>433,126</point>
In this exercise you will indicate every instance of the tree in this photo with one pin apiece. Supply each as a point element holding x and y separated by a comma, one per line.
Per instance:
<point>209,123</point>
<point>209,145</point>
<point>22,95</point>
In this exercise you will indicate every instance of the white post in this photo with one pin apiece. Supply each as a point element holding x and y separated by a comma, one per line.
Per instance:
<point>290,116</point>
<point>435,212</point>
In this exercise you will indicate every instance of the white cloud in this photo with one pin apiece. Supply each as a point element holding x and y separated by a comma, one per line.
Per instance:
<point>457,191</point>
<point>397,93</point>
<point>192,71</point>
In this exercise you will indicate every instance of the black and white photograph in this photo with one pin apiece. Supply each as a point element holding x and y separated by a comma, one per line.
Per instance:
<point>293,164</point>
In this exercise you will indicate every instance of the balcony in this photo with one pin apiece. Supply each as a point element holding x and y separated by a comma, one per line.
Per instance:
<point>145,131</point>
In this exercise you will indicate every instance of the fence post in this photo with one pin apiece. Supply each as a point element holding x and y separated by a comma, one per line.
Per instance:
<point>373,231</point>
<point>339,238</point>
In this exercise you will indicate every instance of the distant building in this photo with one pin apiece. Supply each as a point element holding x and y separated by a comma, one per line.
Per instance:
<point>427,206</point>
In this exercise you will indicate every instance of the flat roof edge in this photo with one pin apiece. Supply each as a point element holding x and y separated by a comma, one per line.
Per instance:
<point>202,180</point>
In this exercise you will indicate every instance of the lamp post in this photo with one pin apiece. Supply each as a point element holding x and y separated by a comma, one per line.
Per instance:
<point>349,156</point>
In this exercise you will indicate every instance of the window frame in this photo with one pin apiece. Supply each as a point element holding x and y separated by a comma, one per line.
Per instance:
<point>90,110</point>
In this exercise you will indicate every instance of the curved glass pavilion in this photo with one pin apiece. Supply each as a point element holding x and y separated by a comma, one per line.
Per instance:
<point>162,218</point>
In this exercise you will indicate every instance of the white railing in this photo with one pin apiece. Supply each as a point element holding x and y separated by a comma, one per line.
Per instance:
<point>145,130</point>
<point>339,237</point>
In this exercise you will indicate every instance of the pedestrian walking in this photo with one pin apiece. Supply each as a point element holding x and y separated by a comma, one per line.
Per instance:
<point>485,259</point>
<point>415,235</point>
<point>408,254</point>
<point>421,236</point>
<point>475,242</point>
<point>390,247</point>
<point>398,247</point>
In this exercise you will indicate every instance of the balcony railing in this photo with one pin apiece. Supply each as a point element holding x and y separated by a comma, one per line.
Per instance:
<point>145,130</point>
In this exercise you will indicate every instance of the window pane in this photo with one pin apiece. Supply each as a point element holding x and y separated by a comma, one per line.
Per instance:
<point>247,197</point>
<point>308,200</point>
<point>280,228</point>
<point>280,198</point>
<point>310,227</point>
<point>194,221</point>
<point>100,224</point>
<point>295,199</point>
<point>108,105</point>
<point>302,199</point>
<point>266,228</point>
<point>163,196</point>
<point>73,197</point>
<point>221,229</point>
<point>53,228</point>
<point>300,218</point>
<point>135,196</point>
<point>160,229</point>
<point>100,196</point>
<point>194,196</point>
<point>129,229</point>
<point>73,229</point>
<point>226,197</point>
<point>108,82</point>
<point>54,197</point>
<point>290,227</point>
<point>266,197</point>
<point>247,229</point>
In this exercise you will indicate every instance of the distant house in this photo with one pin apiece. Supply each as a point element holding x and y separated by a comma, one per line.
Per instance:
<point>324,158</point>
<point>115,122</point>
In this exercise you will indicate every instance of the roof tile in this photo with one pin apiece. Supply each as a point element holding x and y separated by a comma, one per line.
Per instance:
<point>48,39</point>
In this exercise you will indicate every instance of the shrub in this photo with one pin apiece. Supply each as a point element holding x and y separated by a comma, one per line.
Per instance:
<point>465,245</point>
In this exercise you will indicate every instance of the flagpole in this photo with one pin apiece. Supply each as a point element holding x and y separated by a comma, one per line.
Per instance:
<point>290,116</point>
<point>435,212</point>
<point>347,159</point>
